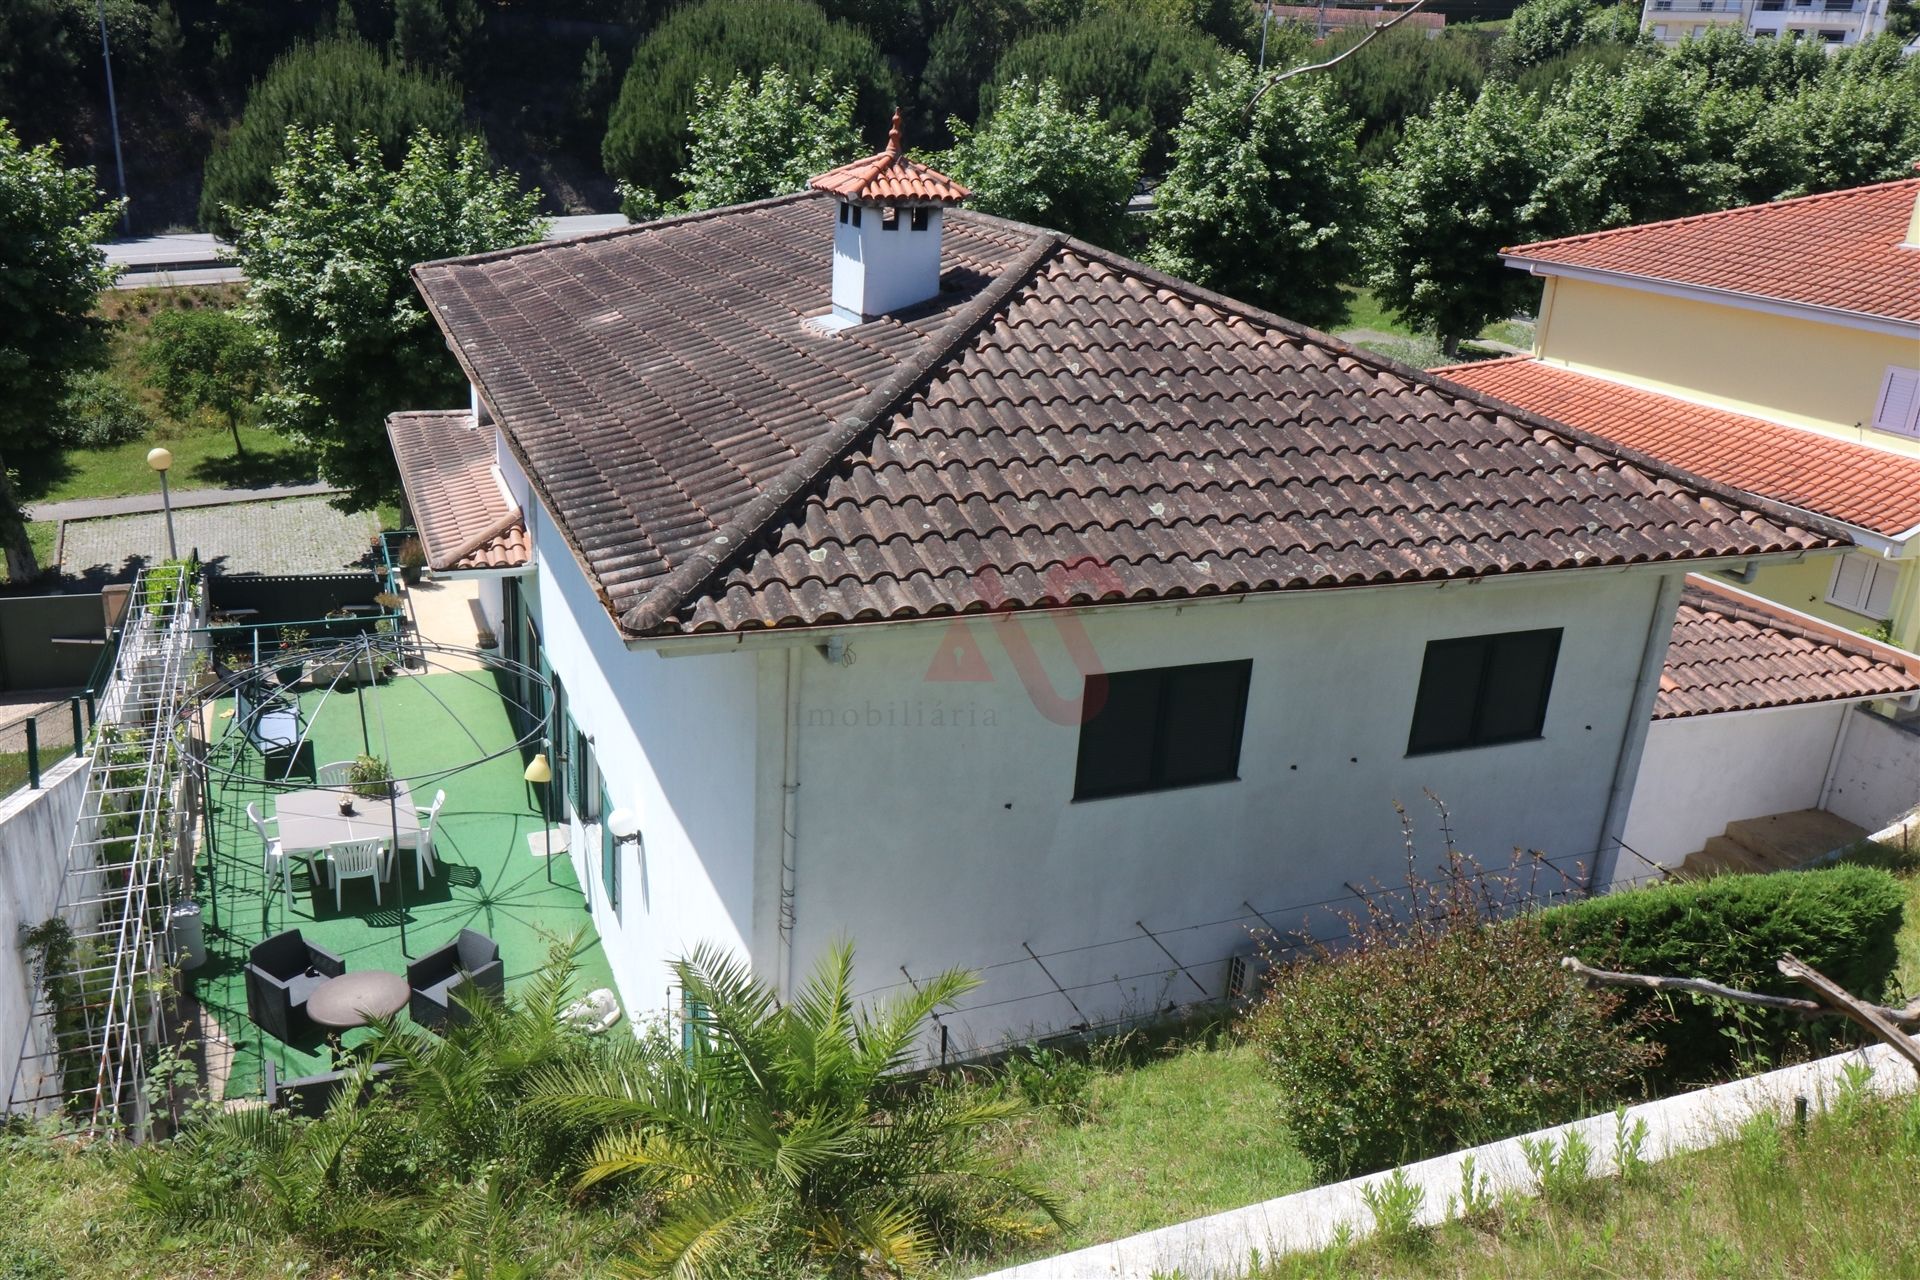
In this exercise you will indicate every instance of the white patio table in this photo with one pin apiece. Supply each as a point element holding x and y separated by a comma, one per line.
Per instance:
<point>311,821</point>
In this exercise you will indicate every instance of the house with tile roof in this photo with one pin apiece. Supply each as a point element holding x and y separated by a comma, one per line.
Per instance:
<point>1773,348</point>
<point>951,585</point>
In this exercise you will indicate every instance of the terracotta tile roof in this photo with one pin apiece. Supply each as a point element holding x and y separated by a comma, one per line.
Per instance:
<point>1732,651</point>
<point>463,514</point>
<point>1060,426</point>
<point>1840,250</point>
<point>1870,488</point>
<point>889,177</point>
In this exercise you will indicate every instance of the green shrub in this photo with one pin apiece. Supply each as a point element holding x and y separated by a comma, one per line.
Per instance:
<point>100,410</point>
<point>1438,1028</point>
<point>1733,929</point>
<point>342,84</point>
<point>647,143</point>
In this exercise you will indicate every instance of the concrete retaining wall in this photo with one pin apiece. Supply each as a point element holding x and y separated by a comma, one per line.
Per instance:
<point>35,827</point>
<point>1220,1245</point>
<point>1876,772</point>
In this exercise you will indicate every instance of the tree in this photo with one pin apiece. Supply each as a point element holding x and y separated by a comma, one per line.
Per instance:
<point>752,143</point>
<point>435,34</point>
<point>342,84</point>
<point>50,280</point>
<point>1542,30</point>
<point>1038,159</point>
<point>782,1140</point>
<point>1398,78</point>
<point>1632,149</point>
<point>716,40</point>
<point>593,90</point>
<point>327,283</point>
<point>1842,132</point>
<point>1464,185</point>
<point>1139,68</point>
<point>206,359</point>
<point>1268,208</point>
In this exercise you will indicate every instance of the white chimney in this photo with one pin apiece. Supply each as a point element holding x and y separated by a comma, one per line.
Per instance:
<point>886,234</point>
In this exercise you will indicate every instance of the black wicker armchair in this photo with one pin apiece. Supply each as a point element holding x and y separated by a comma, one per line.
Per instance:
<point>281,973</point>
<point>472,958</point>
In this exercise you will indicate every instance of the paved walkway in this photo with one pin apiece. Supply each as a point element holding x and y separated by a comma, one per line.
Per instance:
<point>133,504</point>
<point>284,535</point>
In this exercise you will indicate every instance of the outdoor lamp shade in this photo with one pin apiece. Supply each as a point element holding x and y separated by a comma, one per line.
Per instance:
<point>623,824</point>
<point>538,770</point>
<point>160,459</point>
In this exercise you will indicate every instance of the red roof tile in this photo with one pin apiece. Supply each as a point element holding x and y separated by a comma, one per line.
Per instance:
<point>1839,250</point>
<point>1732,651</point>
<point>1870,488</point>
<point>462,512</point>
<point>889,177</point>
<point>1060,425</point>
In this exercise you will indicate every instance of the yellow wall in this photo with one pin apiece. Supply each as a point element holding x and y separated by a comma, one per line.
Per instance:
<point>1816,375</point>
<point>1804,586</point>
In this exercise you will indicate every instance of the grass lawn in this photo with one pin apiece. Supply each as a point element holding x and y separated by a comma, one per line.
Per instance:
<point>1192,1131</point>
<point>1773,1203</point>
<point>1372,326</point>
<point>203,451</point>
<point>42,535</point>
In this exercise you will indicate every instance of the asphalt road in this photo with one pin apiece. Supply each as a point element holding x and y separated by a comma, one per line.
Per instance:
<point>166,262</point>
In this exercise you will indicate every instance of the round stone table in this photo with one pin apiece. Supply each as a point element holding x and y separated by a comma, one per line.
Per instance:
<point>354,999</point>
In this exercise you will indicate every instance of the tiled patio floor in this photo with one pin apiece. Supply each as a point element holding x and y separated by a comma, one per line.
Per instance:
<point>488,879</point>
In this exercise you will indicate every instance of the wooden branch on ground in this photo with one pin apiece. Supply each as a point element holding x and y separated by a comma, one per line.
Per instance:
<point>1700,986</point>
<point>1342,56</point>
<point>1878,1020</point>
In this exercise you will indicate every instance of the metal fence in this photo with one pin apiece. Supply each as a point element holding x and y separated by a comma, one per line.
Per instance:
<point>33,739</point>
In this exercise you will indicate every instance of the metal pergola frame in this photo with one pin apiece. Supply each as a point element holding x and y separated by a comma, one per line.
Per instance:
<point>373,653</point>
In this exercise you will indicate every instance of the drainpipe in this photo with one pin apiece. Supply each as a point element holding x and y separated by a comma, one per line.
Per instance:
<point>789,822</point>
<point>1839,745</point>
<point>1633,739</point>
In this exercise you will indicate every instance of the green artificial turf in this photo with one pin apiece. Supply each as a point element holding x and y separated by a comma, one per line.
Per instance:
<point>487,880</point>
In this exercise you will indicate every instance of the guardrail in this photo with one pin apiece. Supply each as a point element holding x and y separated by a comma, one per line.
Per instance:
<point>32,744</point>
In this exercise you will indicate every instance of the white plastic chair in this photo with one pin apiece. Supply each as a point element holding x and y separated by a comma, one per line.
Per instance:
<point>357,859</point>
<point>424,862</point>
<point>337,774</point>
<point>273,858</point>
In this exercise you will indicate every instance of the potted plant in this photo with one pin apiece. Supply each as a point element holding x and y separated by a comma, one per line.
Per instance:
<point>369,777</point>
<point>413,559</point>
<point>292,665</point>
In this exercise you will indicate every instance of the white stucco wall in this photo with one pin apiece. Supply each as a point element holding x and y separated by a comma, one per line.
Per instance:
<point>936,826</point>
<point>676,744</point>
<point>1876,774</point>
<point>35,827</point>
<point>1701,772</point>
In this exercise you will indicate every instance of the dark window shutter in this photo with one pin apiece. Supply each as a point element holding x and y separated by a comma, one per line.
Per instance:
<point>1513,697</point>
<point>1449,692</point>
<point>1117,744</point>
<point>1200,741</point>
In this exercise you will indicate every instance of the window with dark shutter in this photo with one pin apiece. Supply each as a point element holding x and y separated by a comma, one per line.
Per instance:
<point>1161,728</point>
<point>1476,691</point>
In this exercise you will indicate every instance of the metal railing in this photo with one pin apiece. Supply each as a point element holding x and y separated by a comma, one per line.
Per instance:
<point>33,743</point>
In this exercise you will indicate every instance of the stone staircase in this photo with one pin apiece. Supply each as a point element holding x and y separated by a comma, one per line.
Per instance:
<point>1778,842</point>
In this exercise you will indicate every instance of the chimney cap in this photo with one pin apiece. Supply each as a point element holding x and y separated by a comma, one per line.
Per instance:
<point>890,178</point>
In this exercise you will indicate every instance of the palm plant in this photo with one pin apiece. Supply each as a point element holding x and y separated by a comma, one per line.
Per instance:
<point>786,1130</point>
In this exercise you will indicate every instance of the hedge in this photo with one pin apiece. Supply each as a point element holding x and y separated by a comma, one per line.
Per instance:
<point>1733,929</point>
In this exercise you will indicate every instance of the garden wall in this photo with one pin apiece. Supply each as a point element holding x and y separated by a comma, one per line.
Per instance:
<point>1699,773</point>
<point>30,658</point>
<point>35,827</point>
<point>1876,773</point>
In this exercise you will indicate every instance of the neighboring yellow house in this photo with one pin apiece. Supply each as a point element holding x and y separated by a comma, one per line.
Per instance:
<point>1775,348</point>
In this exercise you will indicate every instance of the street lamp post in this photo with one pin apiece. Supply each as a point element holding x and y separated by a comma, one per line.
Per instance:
<point>161,460</point>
